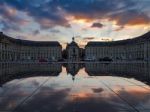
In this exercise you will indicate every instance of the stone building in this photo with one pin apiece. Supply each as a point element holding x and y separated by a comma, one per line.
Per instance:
<point>131,49</point>
<point>73,51</point>
<point>12,50</point>
<point>22,50</point>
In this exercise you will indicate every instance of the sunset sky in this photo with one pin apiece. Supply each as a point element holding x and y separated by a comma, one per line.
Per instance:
<point>87,20</point>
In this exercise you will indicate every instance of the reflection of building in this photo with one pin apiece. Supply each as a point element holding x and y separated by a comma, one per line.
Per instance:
<point>10,71</point>
<point>15,49</point>
<point>73,51</point>
<point>140,69</point>
<point>130,49</point>
<point>73,69</point>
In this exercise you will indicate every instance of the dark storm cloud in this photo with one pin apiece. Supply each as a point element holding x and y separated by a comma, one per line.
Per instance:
<point>47,14</point>
<point>50,13</point>
<point>97,25</point>
<point>124,12</point>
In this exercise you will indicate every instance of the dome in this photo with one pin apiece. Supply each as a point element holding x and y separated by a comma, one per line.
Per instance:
<point>73,43</point>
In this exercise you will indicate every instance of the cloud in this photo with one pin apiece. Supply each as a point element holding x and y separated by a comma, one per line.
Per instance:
<point>22,37</point>
<point>36,32</point>
<point>47,13</point>
<point>88,38</point>
<point>55,31</point>
<point>124,12</point>
<point>97,25</point>
<point>10,20</point>
<point>139,21</point>
<point>119,28</point>
<point>51,13</point>
<point>131,18</point>
<point>46,23</point>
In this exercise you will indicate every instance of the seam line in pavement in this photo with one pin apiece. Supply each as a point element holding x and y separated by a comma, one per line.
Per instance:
<point>120,97</point>
<point>30,95</point>
<point>137,84</point>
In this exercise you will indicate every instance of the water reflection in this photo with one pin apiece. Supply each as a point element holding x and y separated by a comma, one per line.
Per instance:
<point>73,69</point>
<point>140,71</point>
<point>72,87</point>
<point>10,71</point>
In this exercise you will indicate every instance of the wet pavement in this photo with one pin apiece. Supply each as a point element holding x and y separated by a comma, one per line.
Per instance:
<point>74,90</point>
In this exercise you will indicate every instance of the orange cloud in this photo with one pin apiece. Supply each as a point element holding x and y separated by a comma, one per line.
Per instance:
<point>135,21</point>
<point>79,19</point>
<point>82,95</point>
<point>138,21</point>
<point>82,18</point>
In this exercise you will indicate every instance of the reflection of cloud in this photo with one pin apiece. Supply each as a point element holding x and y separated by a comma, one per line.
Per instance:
<point>82,95</point>
<point>53,99</point>
<point>136,96</point>
<point>97,90</point>
<point>9,103</point>
<point>48,99</point>
<point>65,99</point>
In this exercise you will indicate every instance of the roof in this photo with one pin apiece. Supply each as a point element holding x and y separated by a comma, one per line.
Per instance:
<point>142,38</point>
<point>29,42</point>
<point>72,44</point>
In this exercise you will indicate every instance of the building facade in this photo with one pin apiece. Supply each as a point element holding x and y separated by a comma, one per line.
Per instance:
<point>23,50</point>
<point>131,49</point>
<point>73,51</point>
<point>12,50</point>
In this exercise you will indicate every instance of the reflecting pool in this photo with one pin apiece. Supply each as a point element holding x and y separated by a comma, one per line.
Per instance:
<point>72,87</point>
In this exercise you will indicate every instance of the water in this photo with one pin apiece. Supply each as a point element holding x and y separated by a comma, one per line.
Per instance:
<point>86,87</point>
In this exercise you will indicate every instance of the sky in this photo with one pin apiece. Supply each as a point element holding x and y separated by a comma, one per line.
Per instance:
<point>86,20</point>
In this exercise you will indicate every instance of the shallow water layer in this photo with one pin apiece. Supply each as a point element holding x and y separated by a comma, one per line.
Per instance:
<point>90,87</point>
